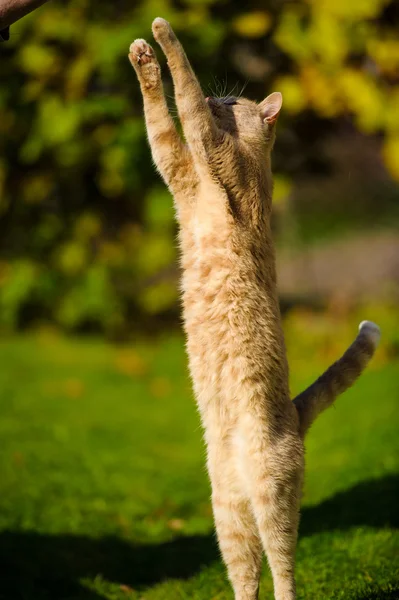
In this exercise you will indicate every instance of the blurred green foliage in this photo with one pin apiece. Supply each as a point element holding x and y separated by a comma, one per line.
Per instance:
<point>87,228</point>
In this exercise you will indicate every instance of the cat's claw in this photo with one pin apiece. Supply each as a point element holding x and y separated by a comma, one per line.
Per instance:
<point>140,52</point>
<point>145,63</point>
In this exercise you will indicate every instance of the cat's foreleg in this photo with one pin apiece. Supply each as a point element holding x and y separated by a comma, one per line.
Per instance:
<point>168,150</point>
<point>236,527</point>
<point>199,127</point>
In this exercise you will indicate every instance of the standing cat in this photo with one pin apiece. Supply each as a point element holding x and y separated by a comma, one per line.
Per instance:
<point>222,186</point>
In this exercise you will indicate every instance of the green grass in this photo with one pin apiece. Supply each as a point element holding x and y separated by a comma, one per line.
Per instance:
<point>103,490</point>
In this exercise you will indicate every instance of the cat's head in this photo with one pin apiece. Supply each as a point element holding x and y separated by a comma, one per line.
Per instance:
<point>246,119</point>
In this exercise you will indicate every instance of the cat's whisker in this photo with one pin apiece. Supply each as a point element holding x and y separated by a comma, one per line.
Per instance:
<point>232,90</point>
<point>226,84</point>
<point>219,89</point>
<point>223,89</point>
<point>243,88</point>
<point>209,90</point>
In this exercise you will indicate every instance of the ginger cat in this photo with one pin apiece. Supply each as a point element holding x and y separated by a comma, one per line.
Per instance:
<point>222,186</point>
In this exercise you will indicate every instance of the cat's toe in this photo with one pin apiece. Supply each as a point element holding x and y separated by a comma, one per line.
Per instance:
<point>140,52</point>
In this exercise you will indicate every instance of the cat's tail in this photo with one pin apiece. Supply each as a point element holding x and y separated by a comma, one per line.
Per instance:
<point>339,377</point>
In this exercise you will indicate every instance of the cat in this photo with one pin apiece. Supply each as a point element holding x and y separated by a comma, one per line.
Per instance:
<point>221,182</point>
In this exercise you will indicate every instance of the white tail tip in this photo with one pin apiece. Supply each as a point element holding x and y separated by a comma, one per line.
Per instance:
<point>372,331</point>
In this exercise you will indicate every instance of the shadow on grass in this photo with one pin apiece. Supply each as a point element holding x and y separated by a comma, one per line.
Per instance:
<point>37,567</point>
<point>41,567</point>
<point>374,503</point>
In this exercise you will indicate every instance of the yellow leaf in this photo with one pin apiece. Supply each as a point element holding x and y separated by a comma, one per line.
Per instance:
<point>291,35</point>
<point>252,25</point>
<point>363,97</point>
<point>386,54</point>
<point>293,97</point>
<point>328,39</point>
<point>352,10</point>
<point>319,90</point>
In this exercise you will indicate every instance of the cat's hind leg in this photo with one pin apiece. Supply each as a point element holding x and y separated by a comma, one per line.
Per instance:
<point>277,514</point>
<point>275,474</point>
<point>236,527</point>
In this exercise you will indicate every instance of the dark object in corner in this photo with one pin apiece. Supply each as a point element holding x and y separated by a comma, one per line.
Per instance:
<point>13,10</point>
<point>5,34</point>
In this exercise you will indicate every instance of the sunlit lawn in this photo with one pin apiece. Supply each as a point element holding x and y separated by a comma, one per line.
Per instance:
<point>103,491</point>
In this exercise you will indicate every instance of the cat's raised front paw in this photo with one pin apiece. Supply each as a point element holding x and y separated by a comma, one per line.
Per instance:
<point>145,63</point>
<point>162,31</point>
<point>140,52</point>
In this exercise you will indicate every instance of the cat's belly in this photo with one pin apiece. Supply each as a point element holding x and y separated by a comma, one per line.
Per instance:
<point>209,346</point>
<point>235,345</point>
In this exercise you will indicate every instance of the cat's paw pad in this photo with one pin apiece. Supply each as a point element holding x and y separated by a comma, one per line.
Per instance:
<point>141,53</point>
<point>162,30</point>
<point>145,63</point>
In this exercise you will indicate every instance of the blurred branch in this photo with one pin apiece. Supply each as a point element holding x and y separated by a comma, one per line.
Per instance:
<point>13,10</point>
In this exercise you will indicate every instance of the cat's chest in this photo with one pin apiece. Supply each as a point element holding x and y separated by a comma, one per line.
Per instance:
<point>210,266</point>
<point>210,226</point>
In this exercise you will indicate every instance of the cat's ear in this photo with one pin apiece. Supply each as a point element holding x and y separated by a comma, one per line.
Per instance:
<point>271,106</point>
